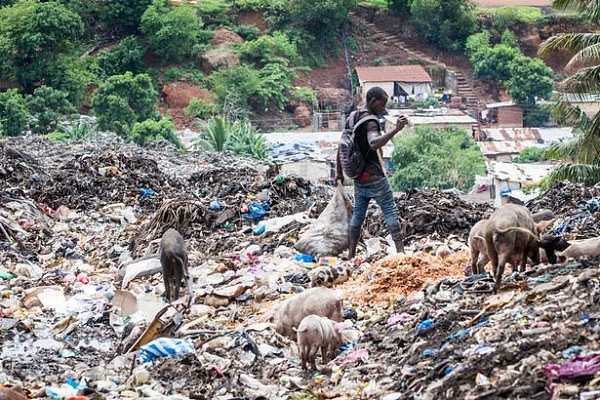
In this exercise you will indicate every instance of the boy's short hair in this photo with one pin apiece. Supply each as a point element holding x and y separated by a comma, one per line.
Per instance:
<point>376,93</point>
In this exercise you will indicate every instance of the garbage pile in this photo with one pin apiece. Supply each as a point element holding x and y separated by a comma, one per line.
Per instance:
<point>82,311</point>
<point>576,206</point>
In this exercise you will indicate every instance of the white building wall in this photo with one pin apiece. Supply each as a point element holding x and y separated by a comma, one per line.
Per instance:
<point>387,86</point>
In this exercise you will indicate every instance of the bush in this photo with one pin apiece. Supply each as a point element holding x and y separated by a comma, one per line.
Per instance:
<point>275,81</point>
<point>430,101</point>
<point>530,155</point>
<point>267,49</point>
<point>126,56</point>
<point>477,42</point>
<point>508,39</point>
<point>399,6</point>
<point>48,107</point>
<point>80,129</point>
<point>73,75</point>
<point>123,16</point>
<point>199,108</point>
<point>123,100</point>
<point>216,13</point>
<point>304,94</point>
<point>379,61</point>
<point>172,32</point>
<point>150,129</point>
<point>13,113</point>
<point>172,75</point>
<point>248,32</point>
<point>243,80</point>
<point>445,23</point>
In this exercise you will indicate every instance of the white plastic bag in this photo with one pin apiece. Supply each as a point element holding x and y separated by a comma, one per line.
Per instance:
<point>329,234</point>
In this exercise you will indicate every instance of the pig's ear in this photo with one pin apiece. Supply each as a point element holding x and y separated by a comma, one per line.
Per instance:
<point>541,226</point>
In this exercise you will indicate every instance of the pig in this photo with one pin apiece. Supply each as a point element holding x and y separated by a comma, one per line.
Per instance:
<point>314,333</point>
<point>319,301</point>
<point>549,244</point>
<point>510,236</point>
<point>12,393</point>
<point>173,259</point>
<point>580,248</point>
<point>479,257</point>
<point>543,215</point>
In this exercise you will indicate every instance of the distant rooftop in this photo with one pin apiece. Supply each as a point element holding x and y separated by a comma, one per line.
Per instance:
<point>515,140</point>
<point>393,73</point>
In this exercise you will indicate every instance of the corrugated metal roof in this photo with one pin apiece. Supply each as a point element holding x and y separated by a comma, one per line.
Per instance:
<point>515,140</point>
<point>524,173</point>
<point>393,73</point>
<point>500,104</point>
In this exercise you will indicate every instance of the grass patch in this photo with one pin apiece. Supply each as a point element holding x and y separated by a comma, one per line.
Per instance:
<point>510,15</point>
<point>377,3</point>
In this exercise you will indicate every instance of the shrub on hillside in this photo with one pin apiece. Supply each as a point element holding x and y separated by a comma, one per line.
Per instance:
<point>150,129</point>
<point>48,107</point>
<point>126,56</point>
<point>13,113</point>
<point>446,23</point>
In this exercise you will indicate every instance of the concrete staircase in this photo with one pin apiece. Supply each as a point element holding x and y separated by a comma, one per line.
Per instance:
<point>465,84</point>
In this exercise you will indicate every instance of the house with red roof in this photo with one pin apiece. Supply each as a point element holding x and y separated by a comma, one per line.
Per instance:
<point>401,82</point>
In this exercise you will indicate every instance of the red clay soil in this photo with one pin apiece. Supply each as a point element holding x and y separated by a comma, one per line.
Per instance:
<point>176,96</point>
<point>253,18</point>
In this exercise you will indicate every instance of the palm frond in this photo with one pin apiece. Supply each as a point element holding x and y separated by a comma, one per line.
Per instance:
<point>588,174</point>
<point>587,80</point>
<point>590,8</point>
<point>586,57</point>
<point>565,151</point>
<point>570,42</point>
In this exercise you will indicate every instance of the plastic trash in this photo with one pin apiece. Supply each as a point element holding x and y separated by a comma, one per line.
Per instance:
<point>394,319</point>
<point>165,347</point>
<point>256,210</point>
<point>146,192</point>
<point>423,326</point>
<point>579,369</point>
<point>216,205</point>
<point>304,258</point>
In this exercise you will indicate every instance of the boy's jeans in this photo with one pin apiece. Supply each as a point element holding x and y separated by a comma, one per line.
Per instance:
<point>381,191</point>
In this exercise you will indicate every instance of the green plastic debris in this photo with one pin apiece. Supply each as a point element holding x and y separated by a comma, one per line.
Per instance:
<point>280,180</point>
<point>6,275</point>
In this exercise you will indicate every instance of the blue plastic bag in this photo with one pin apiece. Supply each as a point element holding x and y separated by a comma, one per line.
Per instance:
<point>165,347</point>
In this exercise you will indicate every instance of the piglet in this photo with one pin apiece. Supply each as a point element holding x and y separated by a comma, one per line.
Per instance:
<point>316,333</point>
<point>580,248</point>
<point>174,260</point>
<point>319,301</point>
<point>12,393</point>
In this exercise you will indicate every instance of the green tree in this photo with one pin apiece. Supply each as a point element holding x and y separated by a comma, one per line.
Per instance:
<point>446,23</point>
<point>126,56</point>
<point>72,75</point>
<point>171,31</point>
<point>399,6</point>
<point>436,158</point>
<point>150,129</point>
<point>494,63</point>
<point>530,80</point>
<point>530,155</point>
<point>48,107</point>
<point>33,36</point>
<point>322,18</point>
<point>123,100</point>
<point>123,16</point>
<point>89,11</point>
<point>13,113</point>
<point>581,156</point>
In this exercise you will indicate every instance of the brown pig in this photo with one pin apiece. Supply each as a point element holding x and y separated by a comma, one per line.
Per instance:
<point>580,248</point>
<point>320,301</point>
<point>173,259</point>
<point>479,257</point>
<point>12,393</point>
<point>316,333</point>
<point>543,215</point>
<point>510,236</point>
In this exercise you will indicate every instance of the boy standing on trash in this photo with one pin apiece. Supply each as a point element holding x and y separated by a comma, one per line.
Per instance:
<point>373,182</point>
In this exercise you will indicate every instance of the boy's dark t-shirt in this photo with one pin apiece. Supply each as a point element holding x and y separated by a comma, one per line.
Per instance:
<point>373,165</point>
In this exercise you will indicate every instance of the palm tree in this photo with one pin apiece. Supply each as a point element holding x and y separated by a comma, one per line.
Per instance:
<point>581,156</point>
<point>214,134</point>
